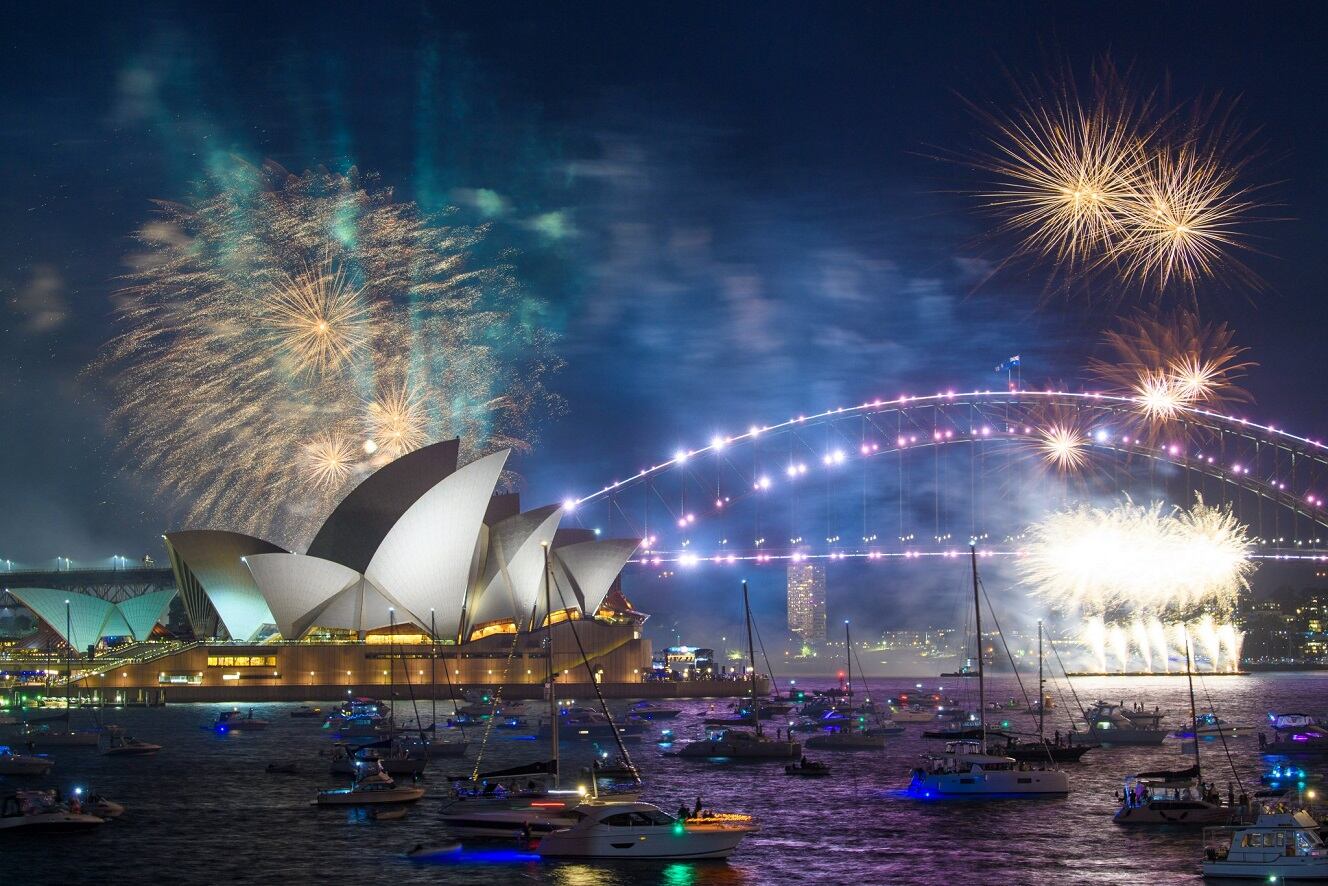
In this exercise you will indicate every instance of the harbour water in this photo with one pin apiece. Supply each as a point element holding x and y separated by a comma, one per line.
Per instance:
<point>205,811</point>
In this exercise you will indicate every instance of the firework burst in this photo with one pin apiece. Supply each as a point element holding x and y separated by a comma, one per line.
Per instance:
<point>1170,363</point>
<point>1063,447</point>
<point>1136,560</point>
<point>282,334</point>
<point>1113,182</point>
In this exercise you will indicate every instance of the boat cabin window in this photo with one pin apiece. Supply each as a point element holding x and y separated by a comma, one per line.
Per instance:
<point>657,818</point>
<point>621,820</point>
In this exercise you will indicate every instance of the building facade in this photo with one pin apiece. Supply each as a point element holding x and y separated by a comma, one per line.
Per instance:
<point>806,601</point>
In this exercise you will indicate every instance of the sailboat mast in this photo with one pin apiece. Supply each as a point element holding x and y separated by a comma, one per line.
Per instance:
<point>1042,687</point>
<point>553,696</point>
<point>751,652</point>
<point>1194,717</point>
<point>977,623</point>
<point>69,659</point>
<point>848,663</point>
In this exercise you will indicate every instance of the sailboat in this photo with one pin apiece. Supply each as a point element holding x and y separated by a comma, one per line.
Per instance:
<point>967,769</point>
<point>850,734</point>
<point>1037,751</point>
<point>745,745</point>
<point>1145,802</point>
<point>45,736</point>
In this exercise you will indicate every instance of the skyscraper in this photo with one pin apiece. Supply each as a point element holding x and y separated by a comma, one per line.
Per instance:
<point>806,601</point>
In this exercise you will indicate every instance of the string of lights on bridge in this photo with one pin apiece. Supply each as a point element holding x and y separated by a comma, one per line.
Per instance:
<point>1281,548</point>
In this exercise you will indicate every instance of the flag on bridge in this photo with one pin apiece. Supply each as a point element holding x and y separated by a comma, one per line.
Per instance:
<point>1012,363</point>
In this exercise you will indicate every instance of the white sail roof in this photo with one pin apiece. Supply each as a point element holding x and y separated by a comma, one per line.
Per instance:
<point>79,624</point>
<point>514,567</point>
<point>214,558</point>
<point>296,585</point>
<point>587,570</point>
<point>142,613</point>
<point>425,559</point>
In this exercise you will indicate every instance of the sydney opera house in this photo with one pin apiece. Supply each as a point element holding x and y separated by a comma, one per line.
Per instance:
<point>422,574</point>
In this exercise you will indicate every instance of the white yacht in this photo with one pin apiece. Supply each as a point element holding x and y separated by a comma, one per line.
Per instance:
<point>45,737</point>
<point>1279,847</point>
<point>646,710</point>
<point>640,830</point>
<point>965,769</point>
<point>376,787</point>
<point>1112,724</point>
<point>233,721</point>
<point>736,744</point>
<point>23,764</point>
<point>914,713</point>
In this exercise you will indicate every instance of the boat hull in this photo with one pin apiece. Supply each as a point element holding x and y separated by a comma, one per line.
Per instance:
<point>1173,814</point>
<point>651,845</point>
<point>50,821</point>
<point>996,785</point>
<point>369,798</point>
<point>1280,869</point>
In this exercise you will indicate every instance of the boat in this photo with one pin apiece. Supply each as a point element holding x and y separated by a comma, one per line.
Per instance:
<point>1041,749</point>
<point>602,767</point>
<point>584,724</point>
<point>1210,726</point>
<point>304,712</point>
<point>435,852</point>
<point>100,806</point>
<point>46,737</point>
<point>518,822</point>
<point>1289,774</point>
<point>1294,735</point>
<point>40,811</point>
<point>232,721</point>
<point>914,713</point>
<point>805,768</point>
<point>389,756</point>
<point>430,745</point>
<point>641,830</point>
<point>733,743</point>
<point>646,710</point>
<point>853,733</point>
<point>23,764</point>
<point>1113,724</point>
<point>122,745</point>
<point>966,768</point>
<point>1145,800</point>
<point>372,788</point>
<point>1278,847</point>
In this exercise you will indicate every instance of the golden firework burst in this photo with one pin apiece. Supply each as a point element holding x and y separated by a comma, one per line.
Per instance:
<point>319,320</point>
<point>397,419</point>
<point>329,459</point>
<point>1063,447</point>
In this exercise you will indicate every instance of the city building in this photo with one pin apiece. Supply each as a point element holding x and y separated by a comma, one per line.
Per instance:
<point>806,601</point>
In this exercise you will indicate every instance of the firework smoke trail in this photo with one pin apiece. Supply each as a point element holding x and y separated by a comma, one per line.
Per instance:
<point>281,335</point>
<point>1136,560</point>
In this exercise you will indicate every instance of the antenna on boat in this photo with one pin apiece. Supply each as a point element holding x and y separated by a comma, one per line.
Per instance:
<point>977,623</point>
<point>751,652</point>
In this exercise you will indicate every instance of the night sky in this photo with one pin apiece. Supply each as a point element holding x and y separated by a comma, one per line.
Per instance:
<point>737,212</point>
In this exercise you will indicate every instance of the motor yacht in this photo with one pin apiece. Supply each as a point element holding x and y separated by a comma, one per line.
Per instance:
<point>743,745</point>
<point>233,721</point>
<point>1210,726</point>
<point>1113,724</point>
<point>1278,847</point>
<point>372,788</point>
<point>304,712</point>
<point>40,811</point>
<point>23,764</point>
<point>122,745</point>
<point>1294,735</point>
<point>641,830</point>
<point>805,768</point>
<point>646,710</point>
<point>1145,801</point>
